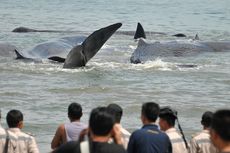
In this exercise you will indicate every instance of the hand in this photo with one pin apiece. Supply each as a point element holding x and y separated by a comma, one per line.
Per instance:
<point>116,134</point>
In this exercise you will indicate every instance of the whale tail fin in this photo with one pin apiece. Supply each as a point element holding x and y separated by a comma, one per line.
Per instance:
<point>80,55</point>
<point>140,33</point>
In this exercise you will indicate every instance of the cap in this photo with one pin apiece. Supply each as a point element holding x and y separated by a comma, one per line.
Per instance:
<point>168,111</point>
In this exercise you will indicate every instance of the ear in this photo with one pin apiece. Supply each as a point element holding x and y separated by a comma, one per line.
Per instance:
<point>20,125</point>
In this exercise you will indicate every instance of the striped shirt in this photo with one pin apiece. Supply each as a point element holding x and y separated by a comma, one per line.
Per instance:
<point>201,143</point>
<point>178,144</point>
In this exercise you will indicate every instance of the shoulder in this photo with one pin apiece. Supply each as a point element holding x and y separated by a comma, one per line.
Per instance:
<point>70,147</point>
<point>111,148</point>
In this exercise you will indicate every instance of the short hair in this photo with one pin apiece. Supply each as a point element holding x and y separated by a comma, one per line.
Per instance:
<point>101,121</point>
<point>13,118</point>
<point>150,110</point>
<point>116,110</point>
<point>169,115</point>
<point>75,111</point>
<point>206,119</point>
<point>221,124</point>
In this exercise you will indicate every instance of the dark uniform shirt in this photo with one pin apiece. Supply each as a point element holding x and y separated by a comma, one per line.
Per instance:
<point>96,147</point>
<point>149,139</point>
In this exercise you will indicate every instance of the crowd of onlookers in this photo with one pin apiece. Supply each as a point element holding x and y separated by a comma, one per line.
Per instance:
<point>105,134</point>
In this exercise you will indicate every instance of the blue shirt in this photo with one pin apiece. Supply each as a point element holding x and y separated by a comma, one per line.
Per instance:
<point>149,139</point>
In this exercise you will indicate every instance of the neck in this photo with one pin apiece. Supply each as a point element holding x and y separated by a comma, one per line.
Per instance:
<point>226,147</point>
<point>97,138</point>
<point>74,120</point>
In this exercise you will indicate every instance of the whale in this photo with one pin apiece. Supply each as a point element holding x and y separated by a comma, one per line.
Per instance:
<point>73,51</point>
<point>7,49</point>
<point>148,51</point>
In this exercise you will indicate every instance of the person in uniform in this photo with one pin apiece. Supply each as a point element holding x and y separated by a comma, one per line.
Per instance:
<point>201,143</point>
<point>149,139</point>
<point>167,120</point>
<point>117,111</point>
<point>220,130</point>
<point>2,136</point>
<point>69,131</point>
<point>19,142</point>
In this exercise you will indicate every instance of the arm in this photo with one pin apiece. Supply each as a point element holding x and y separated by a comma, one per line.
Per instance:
<point>131,144</point>
<point>32,146</point>
<point>193,146</point>
<point>58,138</point>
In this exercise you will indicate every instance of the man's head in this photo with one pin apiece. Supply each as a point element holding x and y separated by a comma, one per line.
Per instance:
<point>74,111</point>
<point>220,129</point>
<point>206,119</point>
<point>101,121</point>
<point>116,110</point>
<point>14,119</point>
<point>149,112</point>
<point>167,118</point>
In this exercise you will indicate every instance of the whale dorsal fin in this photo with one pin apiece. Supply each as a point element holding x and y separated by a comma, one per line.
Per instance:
<point>196,37</point>
<point>18,55</point>
<point>57,59</point>
<point>140,33</point>
<point>81,54</point>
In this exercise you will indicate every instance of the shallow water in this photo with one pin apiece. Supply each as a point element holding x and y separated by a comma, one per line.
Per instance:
<point>43,91</point>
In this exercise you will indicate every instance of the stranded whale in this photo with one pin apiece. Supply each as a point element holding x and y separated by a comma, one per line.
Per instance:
<point>70,50</point>
<point>149,51</point>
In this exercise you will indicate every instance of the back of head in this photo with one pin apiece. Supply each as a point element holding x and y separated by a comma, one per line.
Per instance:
<point>169,115</point>
<point>151,111</point>
<point>206,119</point>
<point>116,110</point>
<point>75,111</point>
<point>13,118</point>
<point>221,124</point>
<point>101,121</point>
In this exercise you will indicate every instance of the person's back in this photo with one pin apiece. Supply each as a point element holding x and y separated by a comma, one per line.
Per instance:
<point>149,139</point>
<point>73,130</point>
<point>69,131</point>
<point>201,142</point>
<point>2,137</point>
<point>168,116</point>
<point>178,144</point>
<point>19,142</point>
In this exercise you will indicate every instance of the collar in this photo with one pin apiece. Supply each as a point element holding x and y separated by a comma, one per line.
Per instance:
<point>150,125</point>
<point>14,130</point>
<point>171,130</point>
<point>205,131</point>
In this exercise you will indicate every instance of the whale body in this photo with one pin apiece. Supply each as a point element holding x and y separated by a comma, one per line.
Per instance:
<point>72,51</point>
<point>146,51</point>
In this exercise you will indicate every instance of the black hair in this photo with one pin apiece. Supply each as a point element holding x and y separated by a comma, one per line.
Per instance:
<point>206,119</point>
<point>221,124</point>
<point>116,110</point>
<point>101,121</point>
<point>13,118</point>
<point>151,111</point>
<point>75,111</point>
<point>169,115</point>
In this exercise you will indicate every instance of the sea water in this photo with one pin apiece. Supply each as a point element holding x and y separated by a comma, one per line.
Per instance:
<point>43,90</point>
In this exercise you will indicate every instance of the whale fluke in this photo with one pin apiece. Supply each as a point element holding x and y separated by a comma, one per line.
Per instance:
<point>81,54</point>
<point>140,33</point>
